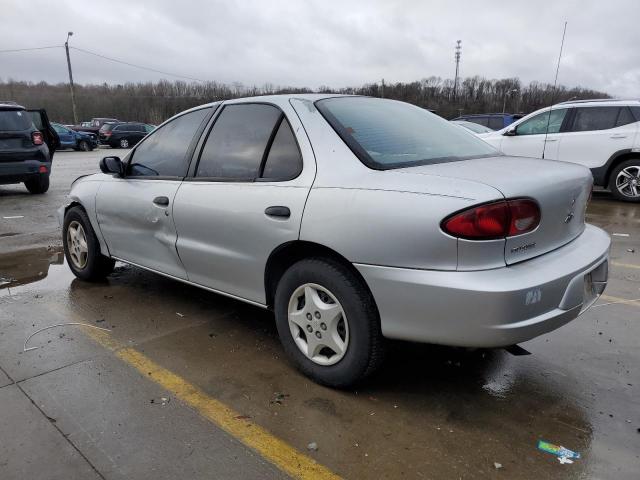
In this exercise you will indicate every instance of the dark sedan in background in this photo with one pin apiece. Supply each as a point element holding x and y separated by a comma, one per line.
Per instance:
<point>123,135</point>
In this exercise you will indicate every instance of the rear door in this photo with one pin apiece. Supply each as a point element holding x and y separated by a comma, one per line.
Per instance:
<point>135,213</point>
<point>596,133</point>
<point>66,137</point>
<point>245,197</point>
<point>531,138</point>
<point>41,122</point>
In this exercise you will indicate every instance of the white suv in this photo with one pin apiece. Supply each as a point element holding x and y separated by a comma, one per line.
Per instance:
<point>600,134</point>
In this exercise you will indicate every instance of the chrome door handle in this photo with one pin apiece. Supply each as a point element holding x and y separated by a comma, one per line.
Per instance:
<point>278,211</point>
<point>551,140</point>
<point>161,201</point>
<point>618,136</point>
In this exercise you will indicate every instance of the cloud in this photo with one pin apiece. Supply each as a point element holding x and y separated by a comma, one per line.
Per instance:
<point>327,42</point>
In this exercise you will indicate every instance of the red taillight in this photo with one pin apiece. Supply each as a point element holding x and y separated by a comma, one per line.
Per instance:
<point>494,220</point>
<point>37,138</point>
<point>42,169</point>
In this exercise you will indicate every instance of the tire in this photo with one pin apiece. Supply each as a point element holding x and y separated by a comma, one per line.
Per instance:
<point>622,190</point>
<point>361,335</point>
<point>37,185</point>
<point>92,265</point>
<point>123,143</point>
<point>83,145</point>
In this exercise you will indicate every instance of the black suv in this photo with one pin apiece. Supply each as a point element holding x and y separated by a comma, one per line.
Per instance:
<point>123,135</point>
<point>27,144</point>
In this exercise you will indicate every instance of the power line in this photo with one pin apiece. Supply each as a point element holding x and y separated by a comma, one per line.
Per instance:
<point>137,66</point>
<point>29,49</point>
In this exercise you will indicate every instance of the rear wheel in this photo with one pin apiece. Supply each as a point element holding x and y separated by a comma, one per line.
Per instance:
<point>82,249</point>
<point>624,181</point>
<point>328,322</point>
<point>124,143</point>
<point>37,185</point>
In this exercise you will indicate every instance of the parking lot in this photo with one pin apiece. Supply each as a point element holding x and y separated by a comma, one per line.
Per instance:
<point>189,384</point>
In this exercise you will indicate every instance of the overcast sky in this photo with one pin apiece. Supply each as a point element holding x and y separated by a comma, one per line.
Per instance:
<point>326,42</point>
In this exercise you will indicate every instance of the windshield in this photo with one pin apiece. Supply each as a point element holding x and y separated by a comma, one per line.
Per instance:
<point>15,120</point>
<point>388,134</point>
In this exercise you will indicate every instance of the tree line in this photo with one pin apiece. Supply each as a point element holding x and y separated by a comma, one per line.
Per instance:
<point>154,102</point>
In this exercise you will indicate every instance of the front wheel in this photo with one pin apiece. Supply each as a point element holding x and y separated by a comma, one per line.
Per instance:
<point>328,322</point>
<point>624,181</point>
<point>82,249</point>
<point>84,146</point>
<point>37,185</point>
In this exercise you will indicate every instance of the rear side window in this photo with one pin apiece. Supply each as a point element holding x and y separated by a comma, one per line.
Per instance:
<point>164,152</point>
<point>595,118</point>
<point>386,134</point>
<point>496,123</point>
<point>235,146</point>
<point>625,117</point>
<point>283,160</point>
<point>14,120</point>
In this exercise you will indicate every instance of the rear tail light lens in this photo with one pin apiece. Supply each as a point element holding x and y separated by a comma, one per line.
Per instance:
<point>37,138</point>
<point>494,220</point>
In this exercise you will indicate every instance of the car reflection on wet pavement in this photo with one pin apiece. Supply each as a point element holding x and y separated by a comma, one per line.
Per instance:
<point>432,412</point>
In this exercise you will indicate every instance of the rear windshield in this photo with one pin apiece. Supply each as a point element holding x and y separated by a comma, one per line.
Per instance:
<point>15,120</point>
<point>388,134</point>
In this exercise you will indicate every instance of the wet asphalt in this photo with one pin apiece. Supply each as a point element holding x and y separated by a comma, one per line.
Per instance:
<point>73,409</point>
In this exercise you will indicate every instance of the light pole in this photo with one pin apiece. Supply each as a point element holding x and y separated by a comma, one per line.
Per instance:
<point>73,98</point>
<point>509,92</point>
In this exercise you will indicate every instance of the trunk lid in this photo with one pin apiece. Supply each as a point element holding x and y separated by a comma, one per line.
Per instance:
<point>561,190</point>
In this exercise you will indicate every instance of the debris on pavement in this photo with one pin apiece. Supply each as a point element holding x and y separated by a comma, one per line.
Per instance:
<point>180,314</point>
<point>564,454</point>
<point>25,349</point>
<point>620,234</point>
<point>162,401</point>
<point>13,217</point>
<point>313,447</point>
<point>631,250</point>
<point>497,465</point>
<point>278,398</point>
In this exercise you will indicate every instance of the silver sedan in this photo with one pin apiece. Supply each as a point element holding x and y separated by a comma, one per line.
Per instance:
<point>354,219</point>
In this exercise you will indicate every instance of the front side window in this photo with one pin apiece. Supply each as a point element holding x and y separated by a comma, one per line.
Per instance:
<point>537,125</point>
<point>595,118</point>
<point>237,142</point>
<point>164,152</point>
<point>388,134</point>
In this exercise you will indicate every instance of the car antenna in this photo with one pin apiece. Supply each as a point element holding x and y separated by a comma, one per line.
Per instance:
<point>555,83</point>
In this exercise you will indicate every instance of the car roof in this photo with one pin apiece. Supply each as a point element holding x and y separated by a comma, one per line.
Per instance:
<point>10,105</point>
<point>488,114</point>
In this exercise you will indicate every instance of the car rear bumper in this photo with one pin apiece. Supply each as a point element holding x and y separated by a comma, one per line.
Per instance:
<point>492,308</point>
<point>16,172</point>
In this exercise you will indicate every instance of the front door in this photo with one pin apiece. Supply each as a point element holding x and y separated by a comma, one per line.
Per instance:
<point>135,213</point>
<point>531,139</point>
<point>245,198</point>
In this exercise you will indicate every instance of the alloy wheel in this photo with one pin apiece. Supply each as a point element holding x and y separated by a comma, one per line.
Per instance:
<point>628,181</point>
<point>77,245</point>
<point>318,324</point>
<point>124,143</point>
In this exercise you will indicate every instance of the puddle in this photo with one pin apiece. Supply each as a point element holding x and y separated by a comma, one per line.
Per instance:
<point>43,268</point>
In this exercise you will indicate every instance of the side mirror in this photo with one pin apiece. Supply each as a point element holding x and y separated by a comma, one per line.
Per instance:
<point>510,132</point>
<point>112,165</point>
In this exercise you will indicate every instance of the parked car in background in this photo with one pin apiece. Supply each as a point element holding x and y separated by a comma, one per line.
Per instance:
<point>124,134</point>
<point>474,127</point>
<point>494,121</point>
<point>602,135</point>
<point>69,138</point>
<point>94,125</point>
<point>354,219</point>
<point>27,144</point>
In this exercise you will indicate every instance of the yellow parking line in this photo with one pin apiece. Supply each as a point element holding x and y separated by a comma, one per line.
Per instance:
<point>271,448</point>
<point>609,298</point>
<point>625,265</point>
